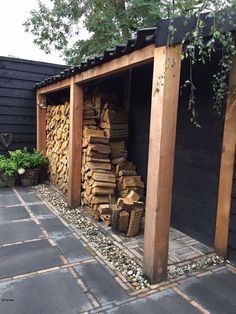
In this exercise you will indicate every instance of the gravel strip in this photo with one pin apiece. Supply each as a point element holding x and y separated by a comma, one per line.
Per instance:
<point>127,266</point>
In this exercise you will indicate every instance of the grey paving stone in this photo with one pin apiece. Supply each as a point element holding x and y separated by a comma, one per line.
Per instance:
<point>9,200</point>
<point>27,257</point>
<point>166,302</point>
<point>19,231</point>
<point>30,197</point>
<point>24,189</point>
<point>8,214</point>
<point>215,292</point>
<point>6,191</point>
<point>101,283</point>
<point>72,249</point>
<point>54,227</point>
<point>40,210</point>
<point>50,293</point>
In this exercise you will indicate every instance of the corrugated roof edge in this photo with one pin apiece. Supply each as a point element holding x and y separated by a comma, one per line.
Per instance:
<point>144,37</point>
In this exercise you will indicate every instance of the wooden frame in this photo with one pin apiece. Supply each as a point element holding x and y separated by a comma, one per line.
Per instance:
<point>226,169</point>
<point>41,122</point>
<point>167,62</point>
<point>75,144</point>
<point>165,92</point>
<point>128,61</point>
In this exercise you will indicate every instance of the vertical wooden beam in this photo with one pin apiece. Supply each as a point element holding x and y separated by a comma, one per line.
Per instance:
<point>226,168</point>
<point>75,144</point>
<point>41,122</point>
<point>126,88</point>
<point>165,93</point>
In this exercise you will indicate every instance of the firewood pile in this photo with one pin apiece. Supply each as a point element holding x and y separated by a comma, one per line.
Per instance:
<point>106,173</point>
<point>98,180</point>
<point>57,143</point>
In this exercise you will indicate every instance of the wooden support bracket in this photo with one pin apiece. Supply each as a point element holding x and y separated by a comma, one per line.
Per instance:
<point>165,93</point>
<point>226,168</point>
<point>75,144</point>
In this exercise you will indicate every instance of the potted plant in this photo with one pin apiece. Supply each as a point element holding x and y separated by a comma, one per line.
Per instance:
<point>8,171</point>
<point>28,165</point>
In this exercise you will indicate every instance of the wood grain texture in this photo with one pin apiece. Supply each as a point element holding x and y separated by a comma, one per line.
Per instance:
<point>226,168</point>
<point>41,123</point>
<point>75,144</point>
<point>165,92</point>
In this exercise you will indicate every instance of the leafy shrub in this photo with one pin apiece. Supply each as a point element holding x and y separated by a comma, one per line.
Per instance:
<point>26,160</point>
<point>7,166</point>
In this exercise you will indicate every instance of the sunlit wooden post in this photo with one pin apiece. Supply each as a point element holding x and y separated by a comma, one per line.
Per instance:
<point>75,144</point>
<point>41,122</point>
<point>165,93</point>
<point>226,168</point>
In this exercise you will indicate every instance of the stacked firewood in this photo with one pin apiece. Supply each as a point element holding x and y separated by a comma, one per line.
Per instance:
<point>128,180</point>
<point>114,122</point>
<point>57,143</point>
<point>106,173</point>
<point>91,111</point>
<point>98,181</point>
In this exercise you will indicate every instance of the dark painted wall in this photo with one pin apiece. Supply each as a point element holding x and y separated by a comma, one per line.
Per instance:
<point>17,98</point>
<point>198,150</point>
<point>139,118</point>
<point>232,226</point>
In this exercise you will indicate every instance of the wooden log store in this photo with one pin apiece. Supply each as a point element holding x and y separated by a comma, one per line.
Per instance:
<point>164,177</point>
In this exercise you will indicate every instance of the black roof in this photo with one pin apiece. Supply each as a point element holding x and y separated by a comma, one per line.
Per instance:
<point>157,35</point>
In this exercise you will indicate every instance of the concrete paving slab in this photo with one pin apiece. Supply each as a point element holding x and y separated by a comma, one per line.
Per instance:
<point>72,249</point>
<point>24,189</point>
<point>27,257</point>
<point>6,191</point>
<point>54,227</point>
<point>20,231</point>
<point>30,197</point>
<point>101,283</point>
<point>166,302</point>
<point>40,210</point>
<point>8,214</point>
<point>50,293</point>
<point>9,200</point>
<point>215,292</point>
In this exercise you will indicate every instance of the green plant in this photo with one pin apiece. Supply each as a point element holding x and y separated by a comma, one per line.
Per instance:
<point>26,160</point>
<point>7,166</point>
<point>38,160</point>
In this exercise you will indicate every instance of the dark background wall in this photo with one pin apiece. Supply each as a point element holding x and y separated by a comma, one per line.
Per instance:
<point>17,99</point>
<point>139,117</point>
<point>198,150</point>
<point>197,159</point>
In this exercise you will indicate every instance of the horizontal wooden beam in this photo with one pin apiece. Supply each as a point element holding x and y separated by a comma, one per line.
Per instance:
<point>128,61</point>
<point>123,63</point>
<point>55,87</point>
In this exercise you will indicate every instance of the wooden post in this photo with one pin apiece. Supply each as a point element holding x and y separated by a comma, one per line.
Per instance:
<point>41,122</point>
<point>226,168</point>
<point>75,144</point>
<point>165,93</point>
